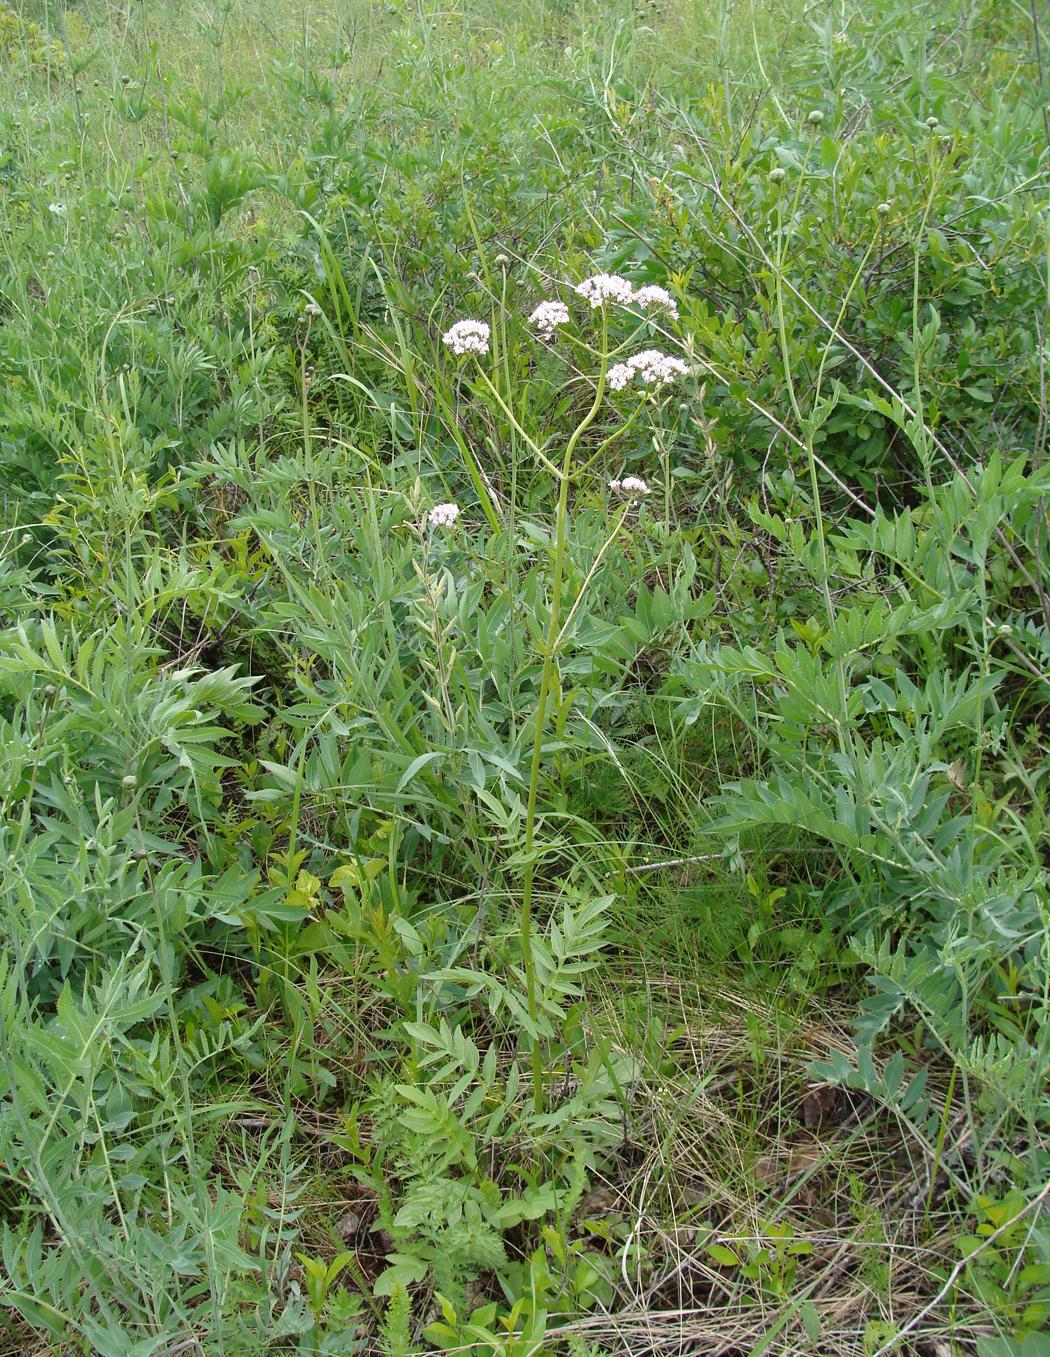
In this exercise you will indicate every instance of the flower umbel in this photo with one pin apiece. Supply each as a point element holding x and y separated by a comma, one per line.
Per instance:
<point>606,287</point>
<point>631,487</point>
<point>468,336</point>
<point>657,298</point>
<point>657,368</point>
<point>443,515</point>
<point>548,316</point>
<point>654,368</point>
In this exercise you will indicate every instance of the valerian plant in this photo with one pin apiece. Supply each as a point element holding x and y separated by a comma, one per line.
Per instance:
<point>569,468</point>
<point>523,622</point>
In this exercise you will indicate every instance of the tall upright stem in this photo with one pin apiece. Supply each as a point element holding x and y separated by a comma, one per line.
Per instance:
<point>550,650</point>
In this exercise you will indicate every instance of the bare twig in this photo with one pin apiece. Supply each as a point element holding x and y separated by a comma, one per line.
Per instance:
<point>957,1271</point>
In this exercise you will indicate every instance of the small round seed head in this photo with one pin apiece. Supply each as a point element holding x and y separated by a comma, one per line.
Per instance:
<point>814,117</point>
<point>883,209</point>
<point>130,781</point>
<point>932,122</point>
<point>778,174</point>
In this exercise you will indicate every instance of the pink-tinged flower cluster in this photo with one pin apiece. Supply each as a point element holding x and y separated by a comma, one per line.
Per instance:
<point>443,515</point>
<point>654,368</point>
<point>468,336</point>
<point>548,316</point>
<point>656,298</point>
<point>631,487</point>
<point>657,368</point>
<point>606,287</point>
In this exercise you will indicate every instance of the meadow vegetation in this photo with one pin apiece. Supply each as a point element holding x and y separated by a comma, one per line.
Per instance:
<point>524,672</point>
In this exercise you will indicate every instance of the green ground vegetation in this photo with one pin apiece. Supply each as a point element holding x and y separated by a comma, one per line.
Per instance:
<point>608,915</point>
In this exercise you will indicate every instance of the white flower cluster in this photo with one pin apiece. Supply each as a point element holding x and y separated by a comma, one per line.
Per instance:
<point>657,368</point>
<point>548,316</point>
<point>606,287</point>
<point>658,298</point>
<point>467,336</point>
<point>443,515</point>
<point>654,368</point>
<point>631,487</point>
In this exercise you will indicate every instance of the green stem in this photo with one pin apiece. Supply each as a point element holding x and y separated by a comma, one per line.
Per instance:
<point>308,456</point>
<point>807,428</point>
<point>590,576</point>
<point>27,805</point>
<point>485,497</point>
<point>550,651</point>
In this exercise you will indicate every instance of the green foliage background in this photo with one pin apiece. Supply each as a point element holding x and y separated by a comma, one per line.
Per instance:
<point>375,979</point>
